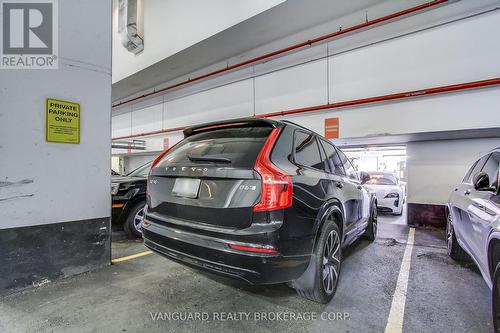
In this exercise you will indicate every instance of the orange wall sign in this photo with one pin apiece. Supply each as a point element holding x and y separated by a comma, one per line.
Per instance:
<point>332,128</point>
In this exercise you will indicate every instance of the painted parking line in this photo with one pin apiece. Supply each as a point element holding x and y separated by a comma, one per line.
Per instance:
<point>133,256</point>
<point>396,315</point>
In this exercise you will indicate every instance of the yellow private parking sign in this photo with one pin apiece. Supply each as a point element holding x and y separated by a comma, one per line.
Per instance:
<point>63,121</point>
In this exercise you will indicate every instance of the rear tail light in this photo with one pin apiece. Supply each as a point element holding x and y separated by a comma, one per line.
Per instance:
<point>256,249</point>
<point>276,184</point>
<point>156,161</point>
<point>159,157</point>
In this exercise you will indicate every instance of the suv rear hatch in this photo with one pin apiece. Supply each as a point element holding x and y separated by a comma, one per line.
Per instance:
<point>211,176</point>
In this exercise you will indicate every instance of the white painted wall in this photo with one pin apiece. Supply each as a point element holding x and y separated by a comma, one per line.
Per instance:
<point>295,87</point>
<point>116,164</point>
<point>436,167</point>
<point>234,99</point>
<point>66,182</point>
<point>455,111</point>
<point>172,25</point>
<point>456,52</point>
<point>439,47</point>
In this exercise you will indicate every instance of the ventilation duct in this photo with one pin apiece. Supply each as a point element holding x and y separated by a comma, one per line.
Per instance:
<point>130,25</point>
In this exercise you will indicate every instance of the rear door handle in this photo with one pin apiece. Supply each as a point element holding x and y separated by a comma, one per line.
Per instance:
<point>339,184</point>
<point>466,192</point>
<point>360,187</point>
<point>478,205</point>
<point>483,208</point>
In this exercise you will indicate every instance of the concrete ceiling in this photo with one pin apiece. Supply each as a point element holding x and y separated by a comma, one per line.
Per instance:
<point>274,24</point>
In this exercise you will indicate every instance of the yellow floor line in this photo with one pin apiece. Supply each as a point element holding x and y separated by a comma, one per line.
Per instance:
<point>397,313</point>
<point>133,256</point>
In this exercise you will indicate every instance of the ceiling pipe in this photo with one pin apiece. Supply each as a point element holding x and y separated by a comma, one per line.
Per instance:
<point>134,144</point>
<point>369,100</point>
<point>357,27</point>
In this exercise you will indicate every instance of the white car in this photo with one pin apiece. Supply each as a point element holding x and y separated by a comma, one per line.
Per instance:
<point>389,192</point>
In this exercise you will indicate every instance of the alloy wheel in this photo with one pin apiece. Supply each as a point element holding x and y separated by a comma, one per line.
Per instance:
<point>331,262</point>
<point>138,218</point>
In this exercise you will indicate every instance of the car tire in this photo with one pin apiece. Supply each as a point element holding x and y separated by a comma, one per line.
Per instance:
<point>496,299</point>
<point>454,249</point>
<point>371,228</point>
<point>319,282</point>
<point>134,218</point>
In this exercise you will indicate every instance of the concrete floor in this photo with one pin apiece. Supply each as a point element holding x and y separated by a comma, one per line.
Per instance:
<point>442,296</point>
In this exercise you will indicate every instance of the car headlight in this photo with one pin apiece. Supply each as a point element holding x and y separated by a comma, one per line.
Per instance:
<point>114,188</point>
<point>392,195</point>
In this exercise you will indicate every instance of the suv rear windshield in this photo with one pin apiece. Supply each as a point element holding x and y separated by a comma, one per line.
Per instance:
<point>235,147</point>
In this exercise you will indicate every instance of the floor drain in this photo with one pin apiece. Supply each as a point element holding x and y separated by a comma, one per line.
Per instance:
<point>390,242</point>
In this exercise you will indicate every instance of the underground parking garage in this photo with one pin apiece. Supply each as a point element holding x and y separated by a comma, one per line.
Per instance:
<point>249,166</point>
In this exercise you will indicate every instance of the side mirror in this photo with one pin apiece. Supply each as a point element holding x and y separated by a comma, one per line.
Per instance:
<point>481,181</point>
<point>364,177</point>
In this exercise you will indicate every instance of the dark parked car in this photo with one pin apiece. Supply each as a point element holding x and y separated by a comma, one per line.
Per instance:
<point>473,228</point>
<point>128,199</point>
<point>258,200</point>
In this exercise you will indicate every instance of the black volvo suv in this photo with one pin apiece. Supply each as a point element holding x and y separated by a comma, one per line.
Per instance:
<point>258,200</point>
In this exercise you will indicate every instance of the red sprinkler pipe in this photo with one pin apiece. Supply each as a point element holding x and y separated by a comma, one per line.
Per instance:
<point>376,99</point>
<point>383,98</point>
<point>310,42</point>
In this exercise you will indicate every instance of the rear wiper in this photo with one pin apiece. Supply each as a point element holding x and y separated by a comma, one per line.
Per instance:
<point>208,159</point>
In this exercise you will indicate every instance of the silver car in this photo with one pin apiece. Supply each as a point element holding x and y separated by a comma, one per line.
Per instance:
<point>389,192</point>
<point>473,226</point>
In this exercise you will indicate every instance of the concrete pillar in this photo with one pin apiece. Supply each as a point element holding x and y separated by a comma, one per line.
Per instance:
<point>55,200</point>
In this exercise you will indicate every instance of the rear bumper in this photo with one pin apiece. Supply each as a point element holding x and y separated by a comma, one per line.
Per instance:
<point>214,255</point>
<point>118,209</point>
<point>116,214</point>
